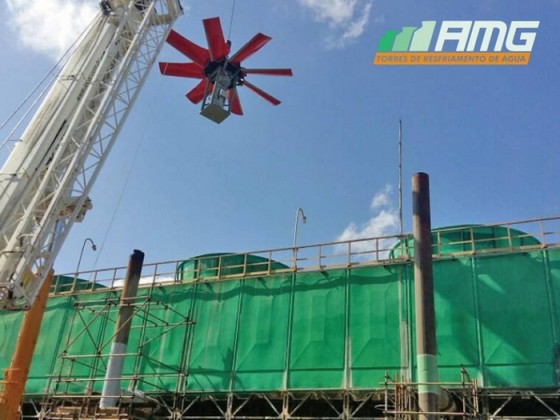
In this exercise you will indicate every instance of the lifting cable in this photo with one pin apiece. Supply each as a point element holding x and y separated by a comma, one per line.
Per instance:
<point>146,122</point>
<point>231,20</point>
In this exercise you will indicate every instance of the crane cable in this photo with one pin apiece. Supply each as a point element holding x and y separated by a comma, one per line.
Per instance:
<point>231,19</point>
<point>147,122</point>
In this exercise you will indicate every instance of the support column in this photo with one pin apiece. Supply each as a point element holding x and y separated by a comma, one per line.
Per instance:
<point>16,376</point>
<point>424,297</point>
<point>111,386</point>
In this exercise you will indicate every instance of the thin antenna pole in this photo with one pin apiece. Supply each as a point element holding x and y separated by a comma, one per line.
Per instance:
<point>231,20</point>
<point>400,179</point>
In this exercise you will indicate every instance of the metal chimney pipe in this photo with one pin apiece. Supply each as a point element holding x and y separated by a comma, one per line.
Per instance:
<point>427,374</point>
<point>111,386</point>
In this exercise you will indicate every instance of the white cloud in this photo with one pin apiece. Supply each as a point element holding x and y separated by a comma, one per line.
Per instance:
<point>384,222</point>
<point>357,26</point>
<point>50,26</point>
<point>382,198</point>
<point>346,18</point>
<point>335,12</point>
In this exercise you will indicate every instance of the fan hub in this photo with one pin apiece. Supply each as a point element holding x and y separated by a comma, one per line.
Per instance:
<point>224,68</point>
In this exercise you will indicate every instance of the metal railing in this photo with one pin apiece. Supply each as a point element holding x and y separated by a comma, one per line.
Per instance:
<point>448,242</point>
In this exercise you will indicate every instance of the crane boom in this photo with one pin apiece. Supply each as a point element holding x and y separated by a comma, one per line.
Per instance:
<point>45,182</point>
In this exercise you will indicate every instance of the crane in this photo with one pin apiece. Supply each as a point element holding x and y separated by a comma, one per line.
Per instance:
<point>46,180</point>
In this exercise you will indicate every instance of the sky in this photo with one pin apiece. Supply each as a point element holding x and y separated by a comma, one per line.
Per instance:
<point>177,185</point>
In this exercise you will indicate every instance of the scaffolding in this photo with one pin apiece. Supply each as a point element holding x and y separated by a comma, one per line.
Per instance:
<point>401,399</point>
<point>78,377</point>
<point>398,402</point>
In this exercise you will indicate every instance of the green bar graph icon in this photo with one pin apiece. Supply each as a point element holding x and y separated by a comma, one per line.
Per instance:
<point>410,38</point>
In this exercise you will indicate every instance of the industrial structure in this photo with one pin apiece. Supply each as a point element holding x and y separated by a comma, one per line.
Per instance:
<point>46,180</point>
<point>55,157</point>
<point>322,331</point>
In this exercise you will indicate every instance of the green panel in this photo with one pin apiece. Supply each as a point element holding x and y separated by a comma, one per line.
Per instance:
<point>214,335</point>
<point>520,375</point>
<point>516,320</point>
<point>374,325</point>
<point>9,329</point>
<point>245,329</point>
<point>158,335</point>
<point>318,331</point>
<point>46,351</point>
<point>553,272</point>
<point>457,342</point>
<point>88,330</point>
<point>262,341</point>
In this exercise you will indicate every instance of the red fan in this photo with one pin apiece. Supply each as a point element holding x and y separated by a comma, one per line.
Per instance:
<point>220,75</point>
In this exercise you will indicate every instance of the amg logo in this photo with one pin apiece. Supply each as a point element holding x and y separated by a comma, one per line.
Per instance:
<point>459,42</point>
<point>518,36</point>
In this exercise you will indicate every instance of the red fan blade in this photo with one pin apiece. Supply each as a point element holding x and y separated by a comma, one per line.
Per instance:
<point>215,37</point>
<point>195,52</point>
<point>251,47</point>
<point>233,98</point>
<point>262,93</point>
<point>271,72</point>
<point>196,95</point>
<point>192,70</point>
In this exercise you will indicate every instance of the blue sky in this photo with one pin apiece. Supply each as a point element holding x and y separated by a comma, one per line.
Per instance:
<point>176,185</point>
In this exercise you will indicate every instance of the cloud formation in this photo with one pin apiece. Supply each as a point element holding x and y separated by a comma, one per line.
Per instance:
<point>346,18</point>
<point>382,198</point>
<point>50,26</point>
<point>384,222</point>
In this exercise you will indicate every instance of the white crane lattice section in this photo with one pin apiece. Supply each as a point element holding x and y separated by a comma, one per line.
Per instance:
<point>48,189</point>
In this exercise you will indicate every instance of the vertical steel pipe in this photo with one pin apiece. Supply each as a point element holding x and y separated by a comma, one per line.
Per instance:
<point>424,298</point>
<point>111,385</point>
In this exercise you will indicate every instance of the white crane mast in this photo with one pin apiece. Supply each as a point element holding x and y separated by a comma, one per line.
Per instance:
<point>45,182</point>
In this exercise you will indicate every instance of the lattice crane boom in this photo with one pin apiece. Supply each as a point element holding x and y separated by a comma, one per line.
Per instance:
<point>45,182</point>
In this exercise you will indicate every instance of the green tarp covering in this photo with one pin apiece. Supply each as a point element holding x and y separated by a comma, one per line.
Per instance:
<point>338,329</point>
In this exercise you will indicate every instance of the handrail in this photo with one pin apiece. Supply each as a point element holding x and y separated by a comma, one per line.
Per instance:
<point>449,242</point>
